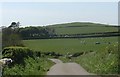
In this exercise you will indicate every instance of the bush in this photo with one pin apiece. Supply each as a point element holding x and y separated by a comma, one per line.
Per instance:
<point>33,67</point>
<point>11,37</point>
<point>26,62</point>
<point>17,54</point>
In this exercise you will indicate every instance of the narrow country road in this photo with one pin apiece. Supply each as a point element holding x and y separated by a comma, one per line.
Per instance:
<point>61,68</point>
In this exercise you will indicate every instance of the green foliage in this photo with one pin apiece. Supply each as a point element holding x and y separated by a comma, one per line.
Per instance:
<point>100,62</point>
<point>36,32</point>
<point>103,62</point>
<point>17,53</point>
<point>112,49</point>
<point>33,66</point>
<point>26,62</point>
<point>10,37</point>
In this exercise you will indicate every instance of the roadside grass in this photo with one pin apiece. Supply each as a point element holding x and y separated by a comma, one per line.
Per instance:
<point>25,61</point>
<point>100,62</point>
<point>104,62</point>
<point>37,66</point>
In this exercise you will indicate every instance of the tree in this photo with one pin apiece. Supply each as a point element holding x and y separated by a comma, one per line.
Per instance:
<point>10,36</point>
<point>14,25</point>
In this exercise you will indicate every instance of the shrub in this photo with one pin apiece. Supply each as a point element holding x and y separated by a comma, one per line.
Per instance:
<point>11,37</point>
<point>17,54</point>
<point>26,62</point>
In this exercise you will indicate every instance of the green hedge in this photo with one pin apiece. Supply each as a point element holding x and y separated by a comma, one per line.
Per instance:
<point>26,62</point>
<point>17,54</point>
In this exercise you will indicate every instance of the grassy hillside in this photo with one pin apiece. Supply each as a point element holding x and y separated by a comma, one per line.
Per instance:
<point>81,27</point>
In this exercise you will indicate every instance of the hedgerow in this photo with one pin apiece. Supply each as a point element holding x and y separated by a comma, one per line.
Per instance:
<point>25,62</point>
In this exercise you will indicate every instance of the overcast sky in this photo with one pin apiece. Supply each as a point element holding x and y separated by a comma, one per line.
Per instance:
<point>44,13</point>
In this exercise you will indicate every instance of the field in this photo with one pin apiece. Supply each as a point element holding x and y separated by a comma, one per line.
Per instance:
<point>102,59</point>
<point>77,28</point>
<point>71,45</point>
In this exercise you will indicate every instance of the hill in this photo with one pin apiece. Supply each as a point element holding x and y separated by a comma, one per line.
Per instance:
<point>82,27</point>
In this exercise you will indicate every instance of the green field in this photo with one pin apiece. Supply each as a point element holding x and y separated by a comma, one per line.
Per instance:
<point>71,45</point>
<point>77,28</point>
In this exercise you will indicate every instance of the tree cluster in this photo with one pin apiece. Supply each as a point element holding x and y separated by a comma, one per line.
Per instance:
<point>13,35</point>
<point>10,36</point>
<point>36,32</point>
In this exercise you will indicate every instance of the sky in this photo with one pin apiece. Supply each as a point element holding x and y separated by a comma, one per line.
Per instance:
<point>45,13</point>
<point>59,0</point>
